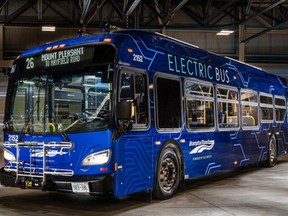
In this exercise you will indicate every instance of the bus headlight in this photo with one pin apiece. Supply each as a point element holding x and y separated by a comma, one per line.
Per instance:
<point>9,156</point>
<point>97,158</point>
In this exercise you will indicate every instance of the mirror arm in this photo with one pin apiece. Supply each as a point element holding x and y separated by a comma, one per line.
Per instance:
<point>123,127</point>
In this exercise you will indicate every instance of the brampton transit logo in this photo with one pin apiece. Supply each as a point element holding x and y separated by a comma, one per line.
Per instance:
<point>201,146</point>
<point>49,153</point>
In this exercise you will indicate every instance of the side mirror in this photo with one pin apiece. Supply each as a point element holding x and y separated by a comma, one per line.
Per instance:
<point>124,110</point>
<point>124,116</point>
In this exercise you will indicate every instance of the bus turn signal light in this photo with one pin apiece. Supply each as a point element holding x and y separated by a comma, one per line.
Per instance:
<point>107,40</point>
<point>103,169</point>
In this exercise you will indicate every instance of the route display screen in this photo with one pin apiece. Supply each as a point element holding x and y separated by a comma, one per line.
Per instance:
<point>69,59</point>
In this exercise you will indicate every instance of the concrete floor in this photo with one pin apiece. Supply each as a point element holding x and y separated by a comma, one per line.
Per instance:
<point>246,191</point>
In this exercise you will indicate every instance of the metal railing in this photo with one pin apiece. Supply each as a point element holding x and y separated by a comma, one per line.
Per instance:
<point>37,166</point>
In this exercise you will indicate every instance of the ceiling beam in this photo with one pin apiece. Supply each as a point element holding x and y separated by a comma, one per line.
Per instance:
<point>246,40</point>
<point>152,8</point>
<point>223,13</point>
<point>125,4</point>
<point>119,12</point>
<point>62,13</point>
<point>283,12</point>
<point>266,15</point>
<point>132,7</point>
<point>193,15</point>
<point>264,11</point>
<point>170,14</point>
<point>40,9</point>
<point>218,12</point>
<point>207,8</point>
<point>96,8</point>
<point>156,9</point>
<point>233,12</point>
<point>20,10</point>
<point>85,8</point>
<point>179,6</point>
<point>3,3</point>
<point>248,7</point>
<point>265,23</point>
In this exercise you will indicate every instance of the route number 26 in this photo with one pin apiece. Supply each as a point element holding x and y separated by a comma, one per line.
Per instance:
<point>30,63</point>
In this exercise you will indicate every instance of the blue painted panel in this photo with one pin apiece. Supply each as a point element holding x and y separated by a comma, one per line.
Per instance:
<point>133,163</point>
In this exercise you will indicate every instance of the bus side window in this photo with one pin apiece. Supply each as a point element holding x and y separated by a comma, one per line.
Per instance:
<point>199,105</point>
<point>133,88</point>
<point>168,98</point>
<point>227,107</point>
<point>280,108</point>
<point>266,108</point>
<point>126,88</point>
<point>249,108</point>
<point>141,99</point>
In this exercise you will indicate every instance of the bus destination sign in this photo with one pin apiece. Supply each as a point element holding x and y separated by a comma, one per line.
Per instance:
<point>62,57</point>
<point>80,58</point>
<point>57,58</point>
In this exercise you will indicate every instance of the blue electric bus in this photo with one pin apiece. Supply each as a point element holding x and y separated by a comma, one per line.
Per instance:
<point>131,110</point>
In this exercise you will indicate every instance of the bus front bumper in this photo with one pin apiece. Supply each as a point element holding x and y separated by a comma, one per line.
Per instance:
<point>94,185</point>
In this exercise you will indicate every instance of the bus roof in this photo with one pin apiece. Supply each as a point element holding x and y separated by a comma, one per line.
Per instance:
<point>169,44</point>
<point>157,41</point>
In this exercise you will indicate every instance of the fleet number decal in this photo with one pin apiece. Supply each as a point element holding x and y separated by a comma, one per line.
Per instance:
<point>137,58</point>
<point>13,138</point>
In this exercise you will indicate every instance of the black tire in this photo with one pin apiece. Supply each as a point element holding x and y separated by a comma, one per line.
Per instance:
<point>167,173</point>
<point>272,152</point>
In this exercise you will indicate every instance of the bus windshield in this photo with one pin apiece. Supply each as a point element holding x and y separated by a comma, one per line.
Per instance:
<point>59,103</point>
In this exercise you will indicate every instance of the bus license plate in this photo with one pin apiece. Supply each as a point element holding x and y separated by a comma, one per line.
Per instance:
<point>80,187</point>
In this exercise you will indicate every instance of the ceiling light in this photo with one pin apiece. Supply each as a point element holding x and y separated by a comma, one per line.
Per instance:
<point>225,32</point>
<point>48,28</point>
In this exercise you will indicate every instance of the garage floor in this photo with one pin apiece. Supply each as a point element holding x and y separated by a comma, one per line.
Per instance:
<point>246,191</point>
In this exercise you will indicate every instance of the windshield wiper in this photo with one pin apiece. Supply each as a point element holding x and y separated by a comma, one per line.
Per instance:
<point>107,97</point>
<point>83,118</point>
<point>92,117</point>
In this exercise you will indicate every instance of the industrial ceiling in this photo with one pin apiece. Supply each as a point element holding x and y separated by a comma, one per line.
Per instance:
<point>261,16</point>
<point>145,14</point>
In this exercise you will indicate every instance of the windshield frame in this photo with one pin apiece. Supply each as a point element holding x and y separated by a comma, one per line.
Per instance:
<point>88,69</point>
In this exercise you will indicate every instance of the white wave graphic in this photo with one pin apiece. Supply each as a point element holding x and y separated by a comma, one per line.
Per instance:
<point>49,153</point>
<point>202,148</point>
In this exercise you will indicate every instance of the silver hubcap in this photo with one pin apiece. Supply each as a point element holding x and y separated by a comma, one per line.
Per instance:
<point>272,151</point>
<point>168,173</point>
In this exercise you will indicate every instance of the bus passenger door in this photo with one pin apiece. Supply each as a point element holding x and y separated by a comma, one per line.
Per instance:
<point>133,148</point>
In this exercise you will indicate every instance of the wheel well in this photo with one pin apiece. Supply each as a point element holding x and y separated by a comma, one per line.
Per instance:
<point>179,153</point>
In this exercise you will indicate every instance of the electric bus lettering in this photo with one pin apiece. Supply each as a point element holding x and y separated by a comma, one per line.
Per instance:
<point>197,69</point>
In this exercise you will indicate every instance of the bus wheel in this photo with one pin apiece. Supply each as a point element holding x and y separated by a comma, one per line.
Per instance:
<point>168,173</point>
<point>272,152</point>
